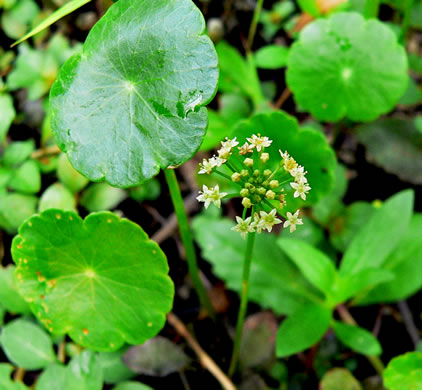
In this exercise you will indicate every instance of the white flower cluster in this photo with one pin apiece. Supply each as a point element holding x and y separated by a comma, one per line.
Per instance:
<point>260,185</point>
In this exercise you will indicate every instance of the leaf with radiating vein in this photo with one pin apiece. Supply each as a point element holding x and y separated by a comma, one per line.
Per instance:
<point>101,280</point>
<point>132,102</point>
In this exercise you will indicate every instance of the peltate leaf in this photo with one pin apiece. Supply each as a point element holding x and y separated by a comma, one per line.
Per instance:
<point>101,280</point>
<point>131,103</point>
<point>404,372</point>
<point>345,66</point>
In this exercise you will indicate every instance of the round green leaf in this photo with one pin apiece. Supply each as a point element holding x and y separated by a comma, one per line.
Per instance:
<point>404,372</point>
<point>131,103</point>
<point>271,57</point>
<point>101,280</point>
<point>345,66</point>
<point>27,345</point>
<point>26,178</point>
<point>307,146</point>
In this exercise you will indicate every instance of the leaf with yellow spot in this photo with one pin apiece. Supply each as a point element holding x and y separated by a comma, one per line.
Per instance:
<point>101,280</point>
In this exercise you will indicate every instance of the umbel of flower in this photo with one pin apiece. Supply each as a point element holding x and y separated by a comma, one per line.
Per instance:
<point>263,190</point>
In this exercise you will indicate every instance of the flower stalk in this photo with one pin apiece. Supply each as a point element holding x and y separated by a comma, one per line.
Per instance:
<point>243,302</point>
<point>187,240</point>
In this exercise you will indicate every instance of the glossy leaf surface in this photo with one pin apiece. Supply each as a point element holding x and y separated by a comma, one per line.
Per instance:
<point>131,103</point>
<point>101,280</point>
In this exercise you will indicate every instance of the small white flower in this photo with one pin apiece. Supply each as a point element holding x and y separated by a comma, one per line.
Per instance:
<point>229,143</point>
<point>301,189</point>
<point>206,167</point>
<point>211,195</point>
<point>299,174</point>
<point>284,155</point>
<point>259,142</point>
<point>292,221</point>
<point>244,226</point>
<point>245,148</point>
<point>268,220</point>
<point>217,161</point>
<point>224,152</point>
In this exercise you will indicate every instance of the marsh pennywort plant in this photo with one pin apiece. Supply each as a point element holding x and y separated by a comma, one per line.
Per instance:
<point>260,187</point>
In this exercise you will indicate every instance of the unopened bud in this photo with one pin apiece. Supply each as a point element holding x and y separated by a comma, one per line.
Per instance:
<point>244,192</point>
<point>267,172</point>
<point>246,202</point>
<point>236,177</point>
<point>274,183</point>
<point>264,157</point>
<point>261,190</point>
<point>270,195</point>
<point>256,172</point>
<point>244,172</point>
<point>248,162</point>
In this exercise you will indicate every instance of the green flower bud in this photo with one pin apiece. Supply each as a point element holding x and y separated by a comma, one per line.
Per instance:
<point>274,183</point>
<point>246,202</point>
<point>270,195</point>
<point>236,177</point>
<point>264,157</point>
<point>244,192</point>
<point>256,172</point>
<point>248,162</point>
<point>261,190</point>
<point>244,172</point>
<point>267,172</point>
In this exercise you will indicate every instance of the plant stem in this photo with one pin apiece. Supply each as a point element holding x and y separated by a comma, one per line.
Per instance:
<point>406,20</point>
<point>252,29</point>
<point>187,239</point>
<point>243,302</point>
<point>371,9</point>
<point>348,319</point>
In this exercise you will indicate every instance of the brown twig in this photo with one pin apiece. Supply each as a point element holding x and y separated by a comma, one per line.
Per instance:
<point>19,374</point>
<point>282,99</point>
<point>47,151</point>
<point>61,353</point>
<point>204,358</point>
